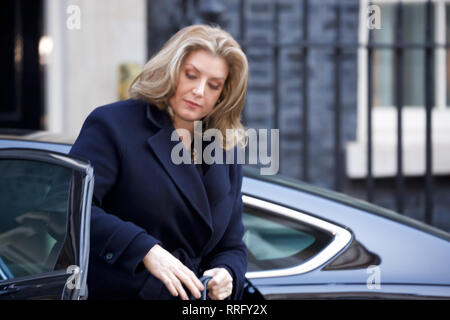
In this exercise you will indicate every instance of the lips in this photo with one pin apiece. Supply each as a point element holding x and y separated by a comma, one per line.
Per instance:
<point>192,104</point>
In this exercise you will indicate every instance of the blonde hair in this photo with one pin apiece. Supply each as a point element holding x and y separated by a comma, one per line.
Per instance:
<point>158,81</point>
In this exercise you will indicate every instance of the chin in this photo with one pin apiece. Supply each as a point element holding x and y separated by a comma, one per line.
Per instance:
<point>190,116</point>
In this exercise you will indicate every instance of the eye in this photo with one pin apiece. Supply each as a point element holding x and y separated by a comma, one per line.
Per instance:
<point>214,87</point>
<point>190,75</point>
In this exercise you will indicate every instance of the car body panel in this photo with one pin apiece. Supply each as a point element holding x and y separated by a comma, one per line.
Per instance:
<point>353,291</point>
<point>409,257</point>
<point>38,145</point>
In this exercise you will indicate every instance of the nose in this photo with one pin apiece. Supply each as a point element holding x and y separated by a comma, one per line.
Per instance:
<point>199,89</point>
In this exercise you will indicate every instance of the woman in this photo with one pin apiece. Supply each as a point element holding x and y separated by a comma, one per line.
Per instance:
<point>156,226</point>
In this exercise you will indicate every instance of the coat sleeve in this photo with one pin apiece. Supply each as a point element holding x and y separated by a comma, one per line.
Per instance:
<point>117,242</point>
<point>231,252</point>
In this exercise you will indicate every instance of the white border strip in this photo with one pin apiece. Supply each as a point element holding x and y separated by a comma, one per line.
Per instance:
<point>341,237</point>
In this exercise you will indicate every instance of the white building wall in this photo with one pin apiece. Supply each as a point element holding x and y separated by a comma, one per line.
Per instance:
<point>91,38</point>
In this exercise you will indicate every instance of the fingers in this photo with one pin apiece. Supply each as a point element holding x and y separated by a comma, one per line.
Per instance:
<point>179,287</point>
<point>221,285</point>
<point>219,295</point>
<point>174,282</point>
<point>194,278</point>
<point>172,272</point>
<point>168,283</point>
<point>188,278</point>
<point>217,280</point>
<point>210,272</point>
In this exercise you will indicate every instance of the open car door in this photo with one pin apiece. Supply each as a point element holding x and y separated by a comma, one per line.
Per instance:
<point>45,205</point>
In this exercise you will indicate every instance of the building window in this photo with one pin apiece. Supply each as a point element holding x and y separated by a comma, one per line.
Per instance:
<point>384,115</point>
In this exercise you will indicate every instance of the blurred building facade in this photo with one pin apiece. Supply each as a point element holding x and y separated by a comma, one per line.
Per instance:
<point>309,72</point>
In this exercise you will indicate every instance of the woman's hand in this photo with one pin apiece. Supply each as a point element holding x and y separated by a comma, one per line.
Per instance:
<point>164,266</point>
<point>221,285</point>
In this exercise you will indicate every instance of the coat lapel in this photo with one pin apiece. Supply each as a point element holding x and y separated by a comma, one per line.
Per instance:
<point>185,176</point>
<point>217,182</point>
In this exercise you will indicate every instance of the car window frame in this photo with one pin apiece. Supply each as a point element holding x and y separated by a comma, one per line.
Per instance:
<point>341,237</point>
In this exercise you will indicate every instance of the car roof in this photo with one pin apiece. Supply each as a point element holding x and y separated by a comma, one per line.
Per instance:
<point>36,136</point>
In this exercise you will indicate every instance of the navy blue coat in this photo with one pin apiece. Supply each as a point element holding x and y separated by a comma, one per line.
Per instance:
<point>141,198</point>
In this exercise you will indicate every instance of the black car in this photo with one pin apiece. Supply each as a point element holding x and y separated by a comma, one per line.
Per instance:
<point>303,242</point>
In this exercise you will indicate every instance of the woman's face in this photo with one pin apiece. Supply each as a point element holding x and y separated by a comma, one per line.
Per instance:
<point>201,80</point>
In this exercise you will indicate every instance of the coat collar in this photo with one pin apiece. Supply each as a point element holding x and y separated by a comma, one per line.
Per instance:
<point>159,118</point>
<point>202,194</point>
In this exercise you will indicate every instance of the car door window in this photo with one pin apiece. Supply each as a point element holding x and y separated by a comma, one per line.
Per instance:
<point>276,242</point>
<point>34,201</point>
